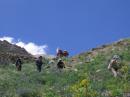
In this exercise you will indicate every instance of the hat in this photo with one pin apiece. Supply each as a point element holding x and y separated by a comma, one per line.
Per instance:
<point>116,57</point>
<point>59,59</point>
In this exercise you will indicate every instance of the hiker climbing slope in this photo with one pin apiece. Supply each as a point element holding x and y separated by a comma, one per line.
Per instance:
<point>18,64</point>
<point>59,53</point>
<point>114,65</point>
<point>60,64</point>
<point>65,53</point>
<point>39,63</point>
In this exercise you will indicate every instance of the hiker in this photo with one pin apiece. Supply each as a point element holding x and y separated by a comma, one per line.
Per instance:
<point>65,53</point>
<point>39,63</point>
<point>60,64</point>
<point>18,64</point>
<point>114,65</point>
<point>59,53</point>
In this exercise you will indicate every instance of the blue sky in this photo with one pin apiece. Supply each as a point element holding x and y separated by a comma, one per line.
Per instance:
<point>74,25</point>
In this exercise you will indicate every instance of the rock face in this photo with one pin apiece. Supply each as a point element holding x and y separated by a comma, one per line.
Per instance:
<point>10,52</point>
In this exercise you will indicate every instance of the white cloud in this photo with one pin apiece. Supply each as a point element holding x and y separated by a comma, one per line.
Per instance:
<point>31,47</point>
<point>9,39</point>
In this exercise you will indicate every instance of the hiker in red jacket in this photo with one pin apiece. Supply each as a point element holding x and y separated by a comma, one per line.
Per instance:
<point>65,53</point>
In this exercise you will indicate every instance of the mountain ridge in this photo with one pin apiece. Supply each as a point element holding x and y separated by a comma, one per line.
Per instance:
<point>10,52</point>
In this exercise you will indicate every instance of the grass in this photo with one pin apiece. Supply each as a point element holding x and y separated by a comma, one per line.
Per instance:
<point>91,79</point>
<point>30,83</point>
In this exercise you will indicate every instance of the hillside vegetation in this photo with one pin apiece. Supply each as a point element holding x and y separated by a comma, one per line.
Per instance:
<point>86,75</point>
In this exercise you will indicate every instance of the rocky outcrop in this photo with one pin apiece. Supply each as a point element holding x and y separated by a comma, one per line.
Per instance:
<point>10,52</point>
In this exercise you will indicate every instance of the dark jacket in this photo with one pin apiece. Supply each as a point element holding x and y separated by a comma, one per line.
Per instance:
<point>60,64</point>
<point>39,63</point>
<point>18,62</point>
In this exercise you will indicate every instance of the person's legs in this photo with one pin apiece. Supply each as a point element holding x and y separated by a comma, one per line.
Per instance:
<point>114,72</point>
<point>39,68</point>
<point>19,68</point>
<point>16,67</point>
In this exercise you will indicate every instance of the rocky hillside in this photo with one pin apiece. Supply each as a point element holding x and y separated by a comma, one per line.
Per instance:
<point>107,49</point>
<point>85,75</point>
<point>10,52</point>
<point>99,80</point>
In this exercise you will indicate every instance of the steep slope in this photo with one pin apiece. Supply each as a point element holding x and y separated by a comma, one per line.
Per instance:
<point>87,76</point>
<point>94,65</point>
